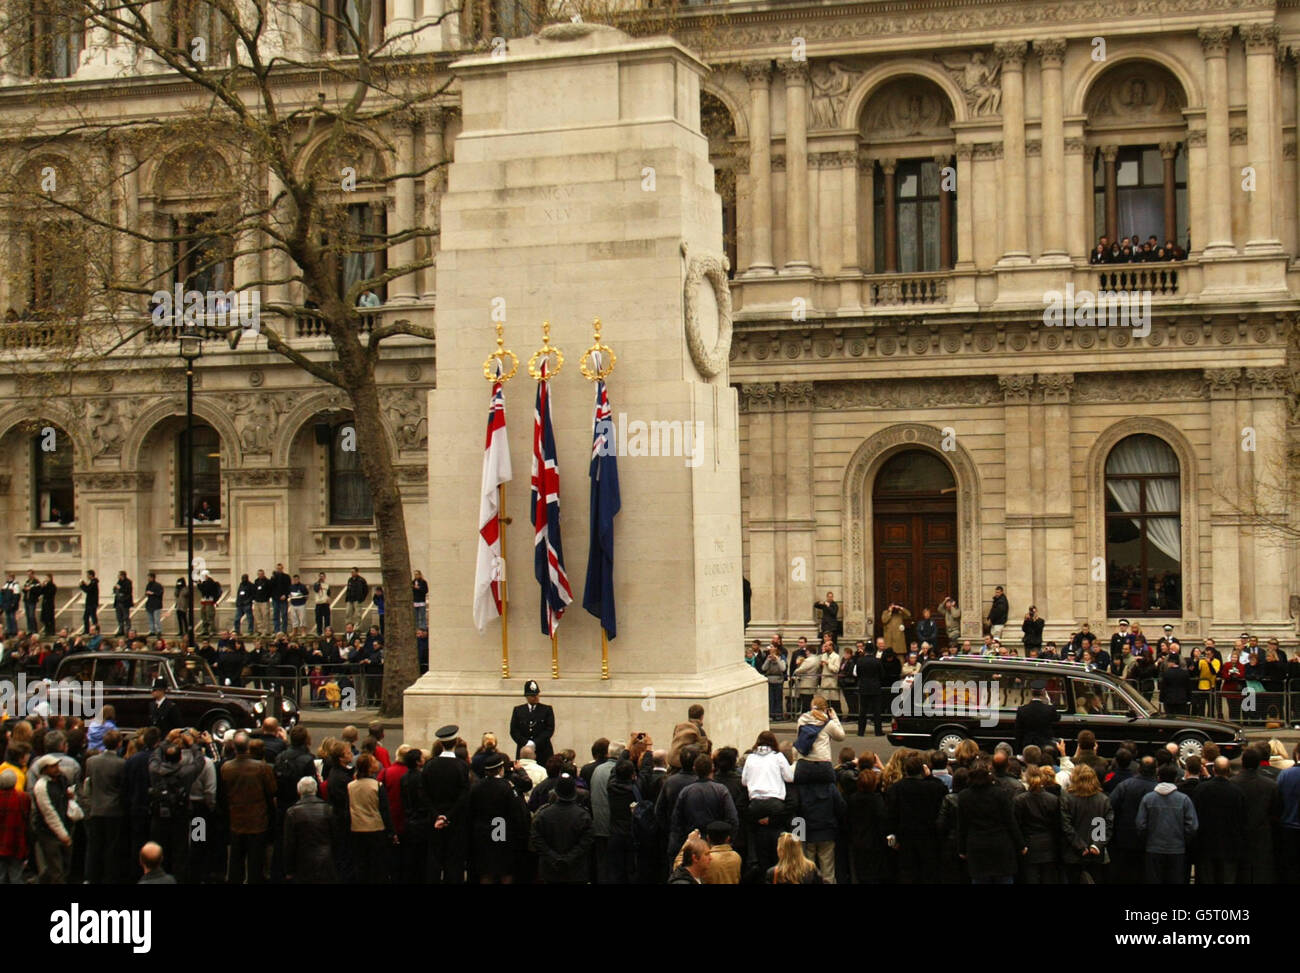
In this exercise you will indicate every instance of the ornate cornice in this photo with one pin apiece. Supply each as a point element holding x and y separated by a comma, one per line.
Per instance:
<point>988,150</point>
<point>964,150</point>
<point>1056,387</point>
<point>1266,383</point>
<point>1260,38</point>
<point>797,396</point>
<point>1176,386</point>
<point>1012,54</point>
<point>1051,51</point>
<point>758,397</point>
<point>757,73</point>
<point>906,394</point>
<point>1223,382</point>
<point>1016,388</point>
<point>263,477</point>
<point>131,482</point>
<point>1214,40</point>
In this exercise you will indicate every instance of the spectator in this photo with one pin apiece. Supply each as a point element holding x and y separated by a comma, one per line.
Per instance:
<point>370,821</point>
<point>249,789</point>
<point>308,824</point>
<point>52,822</point>
<point>1087,827</point>
<point>1038,814</point>
<point>103,789</point>
<point>791,867</point>
<point>912,813</point>
<point>15,811</point>
<point>1167,821</point>
<point>151,864</point>
<point>562,836</point>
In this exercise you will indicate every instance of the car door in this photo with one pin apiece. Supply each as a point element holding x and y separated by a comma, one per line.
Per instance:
<point>1097,706</point>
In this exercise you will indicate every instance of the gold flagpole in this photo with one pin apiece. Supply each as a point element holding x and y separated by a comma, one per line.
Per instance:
<point>555,655</point>
<point>494,370</point>
<point>502,520</point>
<point>602,363</point>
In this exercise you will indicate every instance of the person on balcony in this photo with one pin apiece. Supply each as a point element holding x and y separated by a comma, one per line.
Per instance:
<point>205,512</point>
<point>369,298</point>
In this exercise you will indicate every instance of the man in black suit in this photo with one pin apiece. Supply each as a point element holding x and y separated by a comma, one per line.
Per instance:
<point>533,724</point>
<point>1175,685</point>
<point>869,673</point>
<point>162,711</point>
<point>1036,721</point>
<point>445,782</point>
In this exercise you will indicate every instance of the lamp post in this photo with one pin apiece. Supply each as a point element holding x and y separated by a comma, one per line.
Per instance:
<point>191,347</point>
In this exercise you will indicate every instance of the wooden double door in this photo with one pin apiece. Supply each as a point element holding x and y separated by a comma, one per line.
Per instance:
<point>915,557</point>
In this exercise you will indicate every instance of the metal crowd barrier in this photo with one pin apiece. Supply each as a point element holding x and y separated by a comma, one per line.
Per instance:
<point>367,681</point>
<point>1274,707</point>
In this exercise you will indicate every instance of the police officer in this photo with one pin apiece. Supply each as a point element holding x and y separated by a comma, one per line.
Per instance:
<point>533,724</point>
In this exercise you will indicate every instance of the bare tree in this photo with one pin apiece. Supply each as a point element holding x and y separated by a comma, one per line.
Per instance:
<point>304,123</point>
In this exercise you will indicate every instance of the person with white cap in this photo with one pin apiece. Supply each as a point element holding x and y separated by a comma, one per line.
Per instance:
<point>1121,638</point>
<point>532,724</point>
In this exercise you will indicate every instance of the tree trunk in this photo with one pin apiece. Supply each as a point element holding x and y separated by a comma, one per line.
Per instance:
<point>401,662</point>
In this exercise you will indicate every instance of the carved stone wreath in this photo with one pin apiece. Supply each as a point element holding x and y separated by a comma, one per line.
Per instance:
<point>712,268</point>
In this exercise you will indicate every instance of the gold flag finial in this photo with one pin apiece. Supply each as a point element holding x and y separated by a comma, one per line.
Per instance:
<point>545,352</point>
<point>602,357</point>
<point>494,366</point>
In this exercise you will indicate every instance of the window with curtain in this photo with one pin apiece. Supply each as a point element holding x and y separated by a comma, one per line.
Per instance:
<point>52,456</point>
<point>56,38</point>
<point>205,454</point>
<point>363,236</point>
<point>350,500</point>
<point>341,24</point>
<point>1143,528</point>
<point>190,19</point>
<point>202,261</point>
<point>917,200</point>
<point>1140,193</point>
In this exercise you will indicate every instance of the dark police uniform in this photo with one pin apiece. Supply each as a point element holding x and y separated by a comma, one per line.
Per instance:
<point>534,722</point>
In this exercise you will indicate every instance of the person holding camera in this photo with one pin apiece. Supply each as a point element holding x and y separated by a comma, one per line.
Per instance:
<point>893,622</point>
<point>1032,627</point>
<point>830,618</point>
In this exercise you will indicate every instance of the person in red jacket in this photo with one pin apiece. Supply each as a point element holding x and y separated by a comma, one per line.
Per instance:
<point>377,731</point>
<point>15,809</point>
<point>391,779</point>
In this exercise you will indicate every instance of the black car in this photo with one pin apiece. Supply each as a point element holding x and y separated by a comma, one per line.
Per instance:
<point>127,679</point>
<point>976,697</point>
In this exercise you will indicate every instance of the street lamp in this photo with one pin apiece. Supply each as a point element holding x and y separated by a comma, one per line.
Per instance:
<point>191,348</point>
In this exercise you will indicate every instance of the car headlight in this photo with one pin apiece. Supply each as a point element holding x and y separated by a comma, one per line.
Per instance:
<point>286,706</point>
<point>258,707</point>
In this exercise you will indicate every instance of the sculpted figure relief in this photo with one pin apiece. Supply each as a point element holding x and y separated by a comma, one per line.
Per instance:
<point>978,80</point>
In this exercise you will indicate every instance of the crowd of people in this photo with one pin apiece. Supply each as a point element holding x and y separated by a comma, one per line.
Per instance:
<point>88,802</point>
<point>1248,681</point>
<point>1132,249</point>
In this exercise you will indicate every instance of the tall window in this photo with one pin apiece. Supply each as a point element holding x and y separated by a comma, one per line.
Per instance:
<point>205,454</point>
<point>1143,528</point>
<point>52,455</point>
<point>485,19</point>
<point>350,500</point>
<point>201,258</point>
<point>1143,197</point>
<point>55,271</point>
<point>920,222</point>
<point>56,36</point>
<point>364,240</point>
<point>341,25</point>
<point>191,20</point>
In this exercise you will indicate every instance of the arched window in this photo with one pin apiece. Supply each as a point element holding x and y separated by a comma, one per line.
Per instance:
<point>350,500</point>
<point>52,455</point>
<point>205,454</point>
<point>1143,528</point>
<point>57,35</point>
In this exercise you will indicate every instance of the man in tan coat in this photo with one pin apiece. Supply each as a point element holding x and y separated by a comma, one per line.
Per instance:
<point>724,862</point>
<point>894,621</point>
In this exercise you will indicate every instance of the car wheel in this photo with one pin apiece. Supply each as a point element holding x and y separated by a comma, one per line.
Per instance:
<point>220,726</point>
<point>1189,745</point>
<point>947,741</point>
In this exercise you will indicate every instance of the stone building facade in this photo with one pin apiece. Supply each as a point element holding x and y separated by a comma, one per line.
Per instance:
<point>903,187</point>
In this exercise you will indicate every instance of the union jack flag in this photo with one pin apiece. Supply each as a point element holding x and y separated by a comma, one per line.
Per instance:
<point>548,553</point>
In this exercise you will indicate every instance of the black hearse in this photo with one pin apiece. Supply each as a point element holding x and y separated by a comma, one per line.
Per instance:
<point>976,698</point>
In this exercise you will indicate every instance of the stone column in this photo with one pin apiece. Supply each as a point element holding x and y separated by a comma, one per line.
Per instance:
<point>127,183</point>
<point>759,76</point>
<point>1220,186</point>
<point>758,402</point>
<point>1168,151</point>
<point>1051,54</point>
<point>965,206</point>
<point>888,166</point>
<point>945,213</point>
<point>848,163</point>
<point>277,288</point>
<point>435,150</point>
<point>1058,520</point>
<point>1012,55</point>
<point>402,290</point>
<point>1261,45</point>
<point>796,166</point>
<point>1019,582</point>
<point>1197,191</point>
<point>867,171</point>
<point>1110,153</point>
<point>1225,527</point>
<point>1078,199</point>
<point>800,525</point>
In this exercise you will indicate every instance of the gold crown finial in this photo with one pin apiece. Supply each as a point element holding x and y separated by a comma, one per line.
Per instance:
<point>601,355</point>
<point>494,366</point>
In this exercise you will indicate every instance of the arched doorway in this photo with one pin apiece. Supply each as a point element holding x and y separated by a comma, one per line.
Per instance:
<point>914,514</point>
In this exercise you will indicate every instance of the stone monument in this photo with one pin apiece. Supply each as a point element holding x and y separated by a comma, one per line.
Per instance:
<point>581,188</point>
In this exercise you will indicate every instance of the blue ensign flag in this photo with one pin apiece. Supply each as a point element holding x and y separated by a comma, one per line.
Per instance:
<point>598,598</point>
